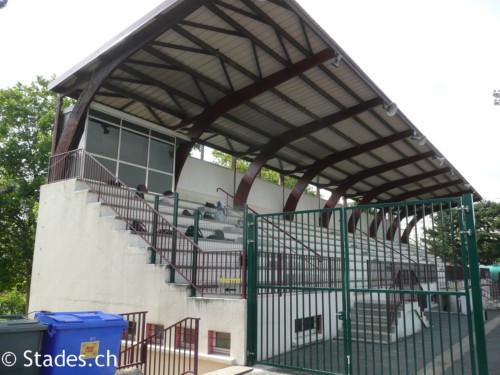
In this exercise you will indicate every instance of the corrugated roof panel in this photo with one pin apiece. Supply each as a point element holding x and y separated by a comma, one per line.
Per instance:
<point>262,32</point>
<point>332,142</point>
<point>252,138</point>
<point>264,116</point>
<point>331,87</point>
<point>256,119</point>
<point>290,154</point>
<point>308,97</point>
<point>352,81</point>
<point>274,104</point>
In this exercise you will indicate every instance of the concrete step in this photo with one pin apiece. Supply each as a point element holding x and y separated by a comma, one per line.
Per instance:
<point>134,371</point>
<point>232,370</point>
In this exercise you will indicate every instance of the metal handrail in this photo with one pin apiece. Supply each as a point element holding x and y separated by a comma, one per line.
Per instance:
<point>173,353</point>
<point>276,226</point>
<point>136,332</point>
<point>393,308</point>
<point>170,244</point>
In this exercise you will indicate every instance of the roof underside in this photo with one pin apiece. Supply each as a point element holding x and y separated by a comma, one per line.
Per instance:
<point>216,61</point>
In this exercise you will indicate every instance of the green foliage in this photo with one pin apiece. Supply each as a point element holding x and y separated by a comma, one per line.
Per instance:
<point>12,302</point>
<point>26,121</point>
<point>226,160</point>
<point>443,237</point>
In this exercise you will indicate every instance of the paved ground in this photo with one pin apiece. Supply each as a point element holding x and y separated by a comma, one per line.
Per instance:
<point>409,356</point>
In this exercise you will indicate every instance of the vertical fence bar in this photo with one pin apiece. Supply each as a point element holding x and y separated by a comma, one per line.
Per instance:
<point>346,302</point>
<point>154,239</point>
<point>173,258</point>
<point>477,302</point>
<point>252,289</point>
<point>195,253</point>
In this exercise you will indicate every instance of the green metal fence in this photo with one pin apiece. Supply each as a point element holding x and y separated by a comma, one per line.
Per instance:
<point>381,289</point>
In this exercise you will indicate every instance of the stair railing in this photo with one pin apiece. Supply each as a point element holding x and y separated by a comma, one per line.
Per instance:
<point>406,280</point>
<point>173,350</point>
<point>319,264</point>
<point>130,354</point>
<point>293,238</point>
<point>170,245</point>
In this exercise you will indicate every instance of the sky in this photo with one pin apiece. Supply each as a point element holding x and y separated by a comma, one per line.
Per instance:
<point>438,60</point>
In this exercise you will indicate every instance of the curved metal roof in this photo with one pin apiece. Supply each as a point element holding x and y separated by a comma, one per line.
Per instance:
<point>259,80</point>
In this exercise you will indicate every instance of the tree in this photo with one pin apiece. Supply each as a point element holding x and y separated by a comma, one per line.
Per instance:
<point>443,238</point>
<point>26,121</point>
<point>225,160</point>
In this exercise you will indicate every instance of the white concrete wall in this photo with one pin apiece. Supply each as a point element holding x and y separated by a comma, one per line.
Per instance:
<point>199,181</point>
<point>83,263</point>
<point>277,315</point>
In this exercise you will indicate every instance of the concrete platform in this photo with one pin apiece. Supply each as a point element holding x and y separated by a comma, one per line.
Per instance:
<point>232,370</point>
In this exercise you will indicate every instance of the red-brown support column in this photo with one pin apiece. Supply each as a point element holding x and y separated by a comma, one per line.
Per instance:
<point>202,122</point>
<point>290,136</point>
<point>320,165</point>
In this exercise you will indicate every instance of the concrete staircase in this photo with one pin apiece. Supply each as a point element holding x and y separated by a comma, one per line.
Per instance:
<point>373,321</point>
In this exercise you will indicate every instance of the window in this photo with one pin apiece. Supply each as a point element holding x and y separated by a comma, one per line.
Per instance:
<point>219,342</point>
<point>185,338</point>
<point>310,324</point>
<point>136,154</point>
<point>134,148</point>
<point>161,156</point>
<point>156,330</point>
<point>131,175</point>
<point>131,331</point>
<point>102,138</point>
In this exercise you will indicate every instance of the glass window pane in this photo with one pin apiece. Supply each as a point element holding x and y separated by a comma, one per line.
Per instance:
<point>109,164</point>
<point>223,340</point>
<point>102,139</point>
<point>104,116</point>
<point>134,148</point>
<point>132,176</point>
<point>161,156</point>
<point>159,182</point>
<point>137,128</point>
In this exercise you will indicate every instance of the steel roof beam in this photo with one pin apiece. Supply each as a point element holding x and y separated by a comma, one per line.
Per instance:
<point>316,168</point>
<point>353,221</point>
<point>391,232</point>
<point>394,184</point>
<point>208,117</point>
<point>349,182</point>
<point>74,127</point>
<point>269,150</point>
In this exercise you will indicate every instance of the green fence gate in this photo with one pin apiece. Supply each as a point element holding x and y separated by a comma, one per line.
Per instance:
<point>381,289</point>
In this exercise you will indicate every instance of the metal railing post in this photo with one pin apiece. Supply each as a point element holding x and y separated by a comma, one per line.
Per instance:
<point>173,258</point>
<point>196,346</point>
<point>154,235</point>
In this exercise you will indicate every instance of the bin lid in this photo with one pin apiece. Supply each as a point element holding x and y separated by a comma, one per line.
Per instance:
<point>19,323</point>
<point>82,319</point>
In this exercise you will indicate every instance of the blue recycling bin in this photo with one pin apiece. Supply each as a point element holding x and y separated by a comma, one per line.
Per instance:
<point>85,342</point>
<point>19,336</point>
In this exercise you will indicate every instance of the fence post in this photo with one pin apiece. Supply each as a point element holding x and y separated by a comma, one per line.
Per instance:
<point>244,254</point>
<point>196,345</point>
<point>470,227</point>
<point>154,239</point>
<point>195,252</point>
<point>251,229</point>
<point>346,300</point>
